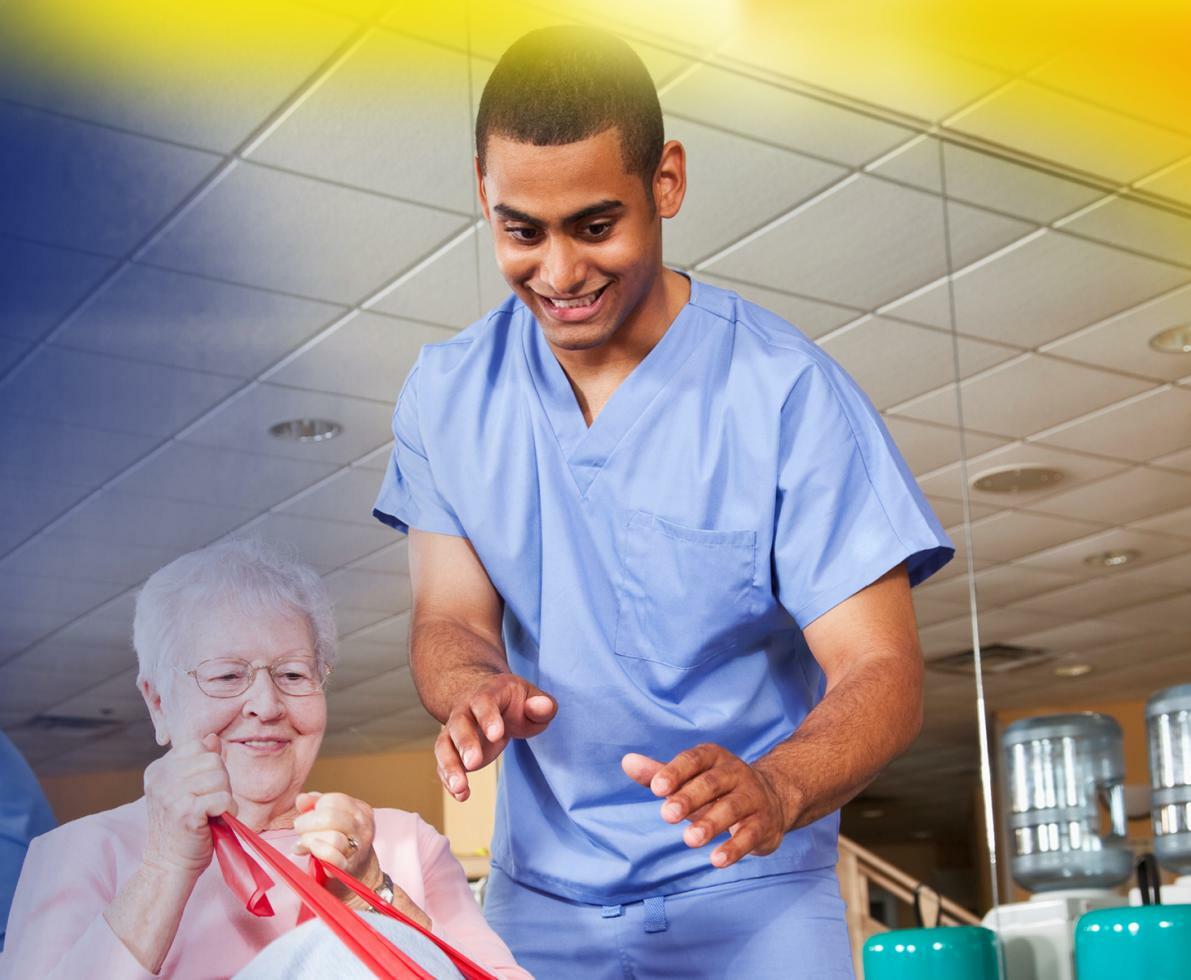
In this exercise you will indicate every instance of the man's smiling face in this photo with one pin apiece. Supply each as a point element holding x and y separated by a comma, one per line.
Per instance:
<point>577,237</point>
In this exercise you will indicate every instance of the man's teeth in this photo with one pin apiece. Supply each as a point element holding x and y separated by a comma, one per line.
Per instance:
<point>570,304</point>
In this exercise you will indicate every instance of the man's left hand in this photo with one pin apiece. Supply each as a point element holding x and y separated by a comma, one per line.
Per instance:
<point>716,791</point>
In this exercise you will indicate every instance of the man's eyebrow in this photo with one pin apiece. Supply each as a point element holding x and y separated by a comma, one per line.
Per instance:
<point>512,214</point>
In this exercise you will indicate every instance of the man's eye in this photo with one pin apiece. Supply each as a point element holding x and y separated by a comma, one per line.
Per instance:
<point>599,229</point>
<point>523,235</point>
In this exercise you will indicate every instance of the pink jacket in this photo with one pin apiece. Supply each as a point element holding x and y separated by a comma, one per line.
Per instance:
<point>57,929</point>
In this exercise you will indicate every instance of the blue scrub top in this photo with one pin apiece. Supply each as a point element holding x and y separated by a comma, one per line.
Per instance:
<point>657,567</point>
<point>24,814</point>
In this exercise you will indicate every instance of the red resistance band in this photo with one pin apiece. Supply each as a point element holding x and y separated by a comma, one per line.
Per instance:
<point>249,881</point>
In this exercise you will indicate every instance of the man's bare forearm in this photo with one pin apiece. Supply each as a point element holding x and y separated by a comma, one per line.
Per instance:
<point>866,719</point>
<point>448,659</point>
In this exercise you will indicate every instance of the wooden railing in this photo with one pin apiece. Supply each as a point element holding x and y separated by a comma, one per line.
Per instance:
<point>857,869</point>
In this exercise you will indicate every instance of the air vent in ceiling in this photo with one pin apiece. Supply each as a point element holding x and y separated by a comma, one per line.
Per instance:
<point>999,658</point>
<point>70,725</point>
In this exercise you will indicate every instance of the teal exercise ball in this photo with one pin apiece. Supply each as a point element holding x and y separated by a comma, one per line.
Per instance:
<point>948,953</point>
<point>1148,942</point>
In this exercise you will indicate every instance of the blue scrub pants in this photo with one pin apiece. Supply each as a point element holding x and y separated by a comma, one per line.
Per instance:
<point>787,926</point>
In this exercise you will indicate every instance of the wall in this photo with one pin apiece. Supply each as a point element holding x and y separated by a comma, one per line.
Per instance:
<point>404,780</point>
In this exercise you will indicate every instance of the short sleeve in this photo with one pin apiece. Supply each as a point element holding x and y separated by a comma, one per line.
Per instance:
<point>848,508</point>
<point>409,496</point>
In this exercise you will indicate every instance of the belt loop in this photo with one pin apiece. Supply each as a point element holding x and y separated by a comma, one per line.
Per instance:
<point>655,914</point>
<point>611,911</point>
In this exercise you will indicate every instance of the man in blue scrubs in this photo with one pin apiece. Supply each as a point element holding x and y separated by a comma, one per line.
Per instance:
<point>661,549</point>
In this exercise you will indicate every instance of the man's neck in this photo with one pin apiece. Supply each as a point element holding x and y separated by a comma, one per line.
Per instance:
<point>595,374</point>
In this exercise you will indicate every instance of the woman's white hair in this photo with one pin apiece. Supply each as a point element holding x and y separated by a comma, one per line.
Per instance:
<point>247,574</point>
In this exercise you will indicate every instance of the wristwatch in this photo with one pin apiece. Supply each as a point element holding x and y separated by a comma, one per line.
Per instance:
<point>385,890</point>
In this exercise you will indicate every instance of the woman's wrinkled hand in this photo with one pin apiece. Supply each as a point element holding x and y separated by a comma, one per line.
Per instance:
<point>185,787</point>
<point>329,823</point>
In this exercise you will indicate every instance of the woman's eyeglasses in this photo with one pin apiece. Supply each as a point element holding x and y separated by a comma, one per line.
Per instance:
<point>229,677</point>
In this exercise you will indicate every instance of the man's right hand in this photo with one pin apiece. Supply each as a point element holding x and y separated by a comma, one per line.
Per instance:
<point>183,788</point>
<point>500,707</point>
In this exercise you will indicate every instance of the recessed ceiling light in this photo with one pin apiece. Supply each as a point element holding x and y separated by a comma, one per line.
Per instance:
<point>306,430</point>
<point>1017,479</point>
<point>1176,340</point>
<point>1073,670</point>
<point>922,835</point>
<point>872,813</point>
<point>1113,559</point>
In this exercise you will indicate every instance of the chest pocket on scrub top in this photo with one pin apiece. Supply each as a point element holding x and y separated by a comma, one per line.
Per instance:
<point>684,593</point>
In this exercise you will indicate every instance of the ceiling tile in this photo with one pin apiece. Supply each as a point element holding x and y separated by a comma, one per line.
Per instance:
<point>151,314</point>
<point>1091,139</point>
<point>899,71</point>
<point>892,236</point>
<point>928,447</point>
<point>1174,182</point>
<point>393,560</point>
<point>1154,423</point>
<point>769,112</point>
<point>81,186</point>
<point>65,597</point>
<point>109,626</point>
<point>1097,597</point>
<point>996,626</point>
<point>27,693</point>
<point>349,620</point>
<point>1014,534</point>
<point>321,543</point>
<point>446,291</point>
<point>19,628</point>
<point>369,590</point>
<point>1130,496</point>
<point>1172,614</point>
<point>33,450</point>
<point>41,284</point>
<point>110,393</point>
<point>1180,461</point>
<point>408,103</point>
<point>267,228</point>
<point>928,610</point>
<point>951,513</point>
<point>734,186</point>
<point>1122,341</point>
<point>390,633</point>
<point>346,496</point>
<point>1078,469</point>
<point>378,459</point>
<point>119,518</point>
<point>1077,637</point>
<point>11,352</point>
<point>366,355</point>
<point>812,317</point>
<point>30,506</point>
<point>243,423</point>
<point>1024,396</point>
<point>92,662</point>
<point>998,586</point>
<point>1141,227</point>
<point>214,95</point>
<point>54,554</point>
<point>225,477</point>
<point>1069,558</point>
<point>1047,287</point>
<point>117,699</point>
<point>1172,522</point>
<point>987,180</point>
<point>894,361</point>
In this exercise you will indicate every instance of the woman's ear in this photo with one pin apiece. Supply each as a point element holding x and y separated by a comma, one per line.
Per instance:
<point>152,698</point>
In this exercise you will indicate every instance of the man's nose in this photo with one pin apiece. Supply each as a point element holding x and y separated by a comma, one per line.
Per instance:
<point>562,268</point>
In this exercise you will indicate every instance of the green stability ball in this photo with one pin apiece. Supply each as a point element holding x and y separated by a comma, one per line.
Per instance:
<point>948,953</point>
<point>1149,942</point>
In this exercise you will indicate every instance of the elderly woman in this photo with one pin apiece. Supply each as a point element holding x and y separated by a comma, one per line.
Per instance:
<point>234,644</point>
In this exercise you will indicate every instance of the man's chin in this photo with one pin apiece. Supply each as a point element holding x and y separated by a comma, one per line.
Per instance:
<point>579,337</point>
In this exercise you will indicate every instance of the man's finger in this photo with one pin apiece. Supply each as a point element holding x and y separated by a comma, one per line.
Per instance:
<point>640,768</point>
<point>540,709</point>
<point>450,766</point>
<point>464,732</point>
<point>488,714</point>
<point>746,839</point>
<point>684,767</point>
<point>705,788</point>
<point>722,814</point>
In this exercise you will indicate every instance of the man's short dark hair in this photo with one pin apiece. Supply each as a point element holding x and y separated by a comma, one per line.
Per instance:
<point>561,85</point>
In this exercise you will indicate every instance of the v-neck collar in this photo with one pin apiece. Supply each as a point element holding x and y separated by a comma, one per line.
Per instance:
<point>587,448</point>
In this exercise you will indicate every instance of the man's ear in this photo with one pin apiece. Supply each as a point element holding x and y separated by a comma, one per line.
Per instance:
<point>669,180</point>
<point>483,194</point>
<point>152,698</point>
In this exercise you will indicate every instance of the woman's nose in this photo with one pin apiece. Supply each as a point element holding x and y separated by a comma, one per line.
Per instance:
<point>262,698</point>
